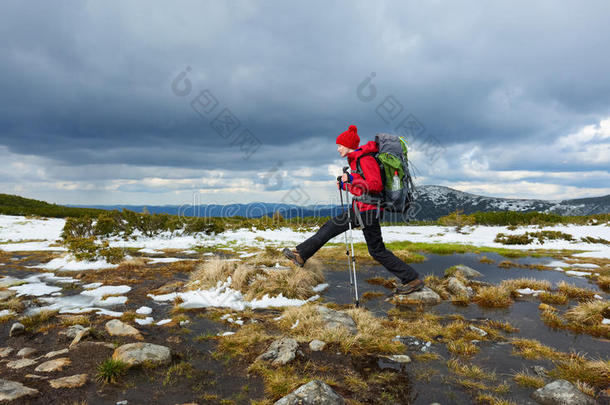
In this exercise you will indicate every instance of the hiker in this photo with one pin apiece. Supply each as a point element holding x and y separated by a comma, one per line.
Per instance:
<point>364,214</point>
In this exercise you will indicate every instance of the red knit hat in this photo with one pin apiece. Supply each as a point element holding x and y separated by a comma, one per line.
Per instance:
<point>349,138</point>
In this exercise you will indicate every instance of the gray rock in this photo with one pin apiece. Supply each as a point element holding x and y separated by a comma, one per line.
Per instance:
<point>134,354</point>
<point>315,392</point>
<point>17,329</point>
<point>71,331</point>
<point>413,343</point>
<point>561,392</point>
<point>281,351</point>
<point>5,351</point>
<point>80,335</point>
<point>466,271</point>
<point>11,390</point>
<point>317,345</point>
<point>55,353</point>
<point>117,328</point>
<point>53,365</point>
<point>21,363</point>
<point>26,351</point>
<point>72,381</point>
<point>423,297</point>
<point>457,288</point>
<point>480,331</point>
<point>540,371</point>
<point>398,358</point>
<point>336,319</point>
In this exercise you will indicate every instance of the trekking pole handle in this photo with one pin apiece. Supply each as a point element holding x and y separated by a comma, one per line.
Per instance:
<point>346,169</point>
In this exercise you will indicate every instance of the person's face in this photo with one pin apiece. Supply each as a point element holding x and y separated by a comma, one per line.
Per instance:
<point>343,151</point>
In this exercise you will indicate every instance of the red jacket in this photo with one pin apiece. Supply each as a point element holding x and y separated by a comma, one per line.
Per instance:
<point>372,176</point>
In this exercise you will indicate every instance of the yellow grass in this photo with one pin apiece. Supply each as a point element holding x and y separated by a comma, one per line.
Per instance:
<point>524,282</point>
<point>581,294</point>
<point>553,298</point>
<point>588,312</point>
<point>533,349</point>
<point>493,297</point>
<point>525,379</point>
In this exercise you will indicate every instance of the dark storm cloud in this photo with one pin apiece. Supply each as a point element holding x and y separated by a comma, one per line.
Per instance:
<point>91,82</point>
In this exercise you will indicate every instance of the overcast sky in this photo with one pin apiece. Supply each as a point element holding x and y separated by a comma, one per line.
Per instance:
<point>150,102</point>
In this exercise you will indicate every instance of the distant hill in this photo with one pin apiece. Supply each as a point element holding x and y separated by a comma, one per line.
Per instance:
<point>434,202</point>
<point>16,205</point>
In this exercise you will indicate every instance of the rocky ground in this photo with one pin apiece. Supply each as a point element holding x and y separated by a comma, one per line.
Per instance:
<point>441,345</point>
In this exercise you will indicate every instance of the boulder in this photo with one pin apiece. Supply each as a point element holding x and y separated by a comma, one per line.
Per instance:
<point>457,288</point>
<point>315,392</point>
<point>561,392</point>
<point>11,390</point>
<point>17,329</point>
<point>117,328</point>
<point>53,365</point>
<point>466,271</point>
<point>336,319</point>
<point>317,345</point>
<point>280,352</point>
<point>135,354</point>
<point>424,296</point>
<point>73,381</point>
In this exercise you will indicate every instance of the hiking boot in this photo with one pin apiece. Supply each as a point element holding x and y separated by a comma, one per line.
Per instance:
<point>410,287</point>
<point>294,257</point>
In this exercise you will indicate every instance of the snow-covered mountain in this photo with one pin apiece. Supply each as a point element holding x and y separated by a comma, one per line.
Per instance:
<point>436,201</point>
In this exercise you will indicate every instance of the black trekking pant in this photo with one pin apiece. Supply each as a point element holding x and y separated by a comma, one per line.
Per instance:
<point>372,234</point>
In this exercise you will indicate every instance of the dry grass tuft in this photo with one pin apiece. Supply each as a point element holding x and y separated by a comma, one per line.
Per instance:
<point>578,293</point>
<point>525,379</point>
<point>384,282</point>
<point>577,368</point>
<point>493,297</point>
<point>603,282</point>
<point>136,263</point>
<point>588,312</point>
<point>525,282</point>
<point>471,371</point>
<point>553,298</point>
<point>533,349</point>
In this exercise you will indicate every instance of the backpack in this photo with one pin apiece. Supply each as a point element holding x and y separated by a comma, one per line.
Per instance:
<point>398,189</point>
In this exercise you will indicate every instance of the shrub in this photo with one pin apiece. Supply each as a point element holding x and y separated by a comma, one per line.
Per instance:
<point>78,228</point>
<point>110,370</point>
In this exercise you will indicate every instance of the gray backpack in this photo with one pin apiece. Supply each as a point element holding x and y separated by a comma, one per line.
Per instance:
<point>398,189</point>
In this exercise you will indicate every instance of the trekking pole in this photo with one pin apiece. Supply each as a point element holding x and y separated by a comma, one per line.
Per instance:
<point>349,262</point>
<point>351,238</point>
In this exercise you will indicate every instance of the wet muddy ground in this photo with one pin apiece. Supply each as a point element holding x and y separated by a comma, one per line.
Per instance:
<point>211,378</point>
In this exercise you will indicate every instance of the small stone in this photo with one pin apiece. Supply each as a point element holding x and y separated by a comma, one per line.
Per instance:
<point>137,353</point>
<point>55,353</point>
<point>477,330</point>
<point>281,351</point>
<point>5,351</point>
<point>11,390</point>
<point>398,358</point>
<point>73,381</point>
<point>17,329</point>
<point>53,365</point>
<point>119,328</point>
<point>337,319</point>
<point>26,351</point>
<point>317,345</point>
<point>21,363</point>
<point>80,335</point>
<point>314,392</point>
<point>561,392</point>
<point>36,377</point>
<point>71,331</point>
<point>425,296</point>
<point>174,339</point>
